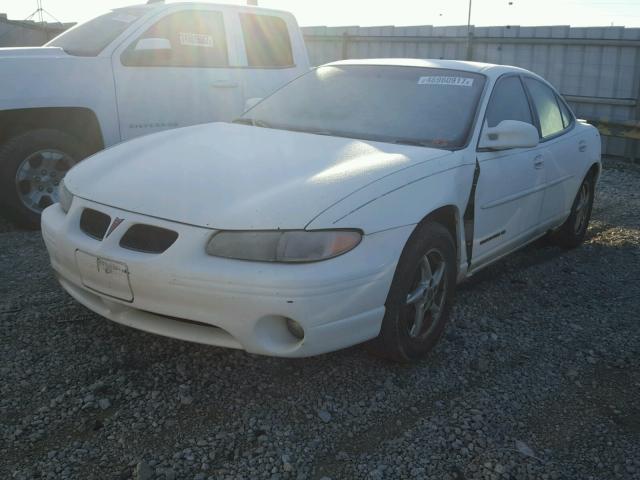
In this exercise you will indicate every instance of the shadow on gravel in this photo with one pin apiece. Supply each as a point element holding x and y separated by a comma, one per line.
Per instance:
<point>542,347</point>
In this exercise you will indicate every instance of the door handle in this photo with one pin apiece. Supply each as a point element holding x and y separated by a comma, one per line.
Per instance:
<point>223,84</point>
<point>538,162</point>
<point>582,146</point>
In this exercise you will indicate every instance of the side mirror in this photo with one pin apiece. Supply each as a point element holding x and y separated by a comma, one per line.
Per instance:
<point>251,102</point>
<point>509,134</point>
<point>153,44</point>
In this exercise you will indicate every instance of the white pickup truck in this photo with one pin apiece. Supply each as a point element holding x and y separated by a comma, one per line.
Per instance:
<point>133,71</point>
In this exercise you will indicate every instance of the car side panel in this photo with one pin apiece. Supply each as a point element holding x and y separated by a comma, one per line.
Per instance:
<point>567,160</point>
<point>406,198</point>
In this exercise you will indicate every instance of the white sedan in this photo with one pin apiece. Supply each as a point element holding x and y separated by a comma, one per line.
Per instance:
<point>343,208</point>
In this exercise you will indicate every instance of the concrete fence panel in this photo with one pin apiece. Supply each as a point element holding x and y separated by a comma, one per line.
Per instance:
<point>597,69</point>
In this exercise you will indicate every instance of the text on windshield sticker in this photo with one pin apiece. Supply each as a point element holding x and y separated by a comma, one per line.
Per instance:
<point>196,39</point>
<point>450,81</point>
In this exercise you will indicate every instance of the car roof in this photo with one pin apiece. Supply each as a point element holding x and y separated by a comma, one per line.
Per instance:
<point>489,69</point>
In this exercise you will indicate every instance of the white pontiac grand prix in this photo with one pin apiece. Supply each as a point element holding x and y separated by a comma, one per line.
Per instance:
<point>343,208</point>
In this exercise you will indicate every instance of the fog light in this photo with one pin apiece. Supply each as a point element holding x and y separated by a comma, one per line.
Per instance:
<point>295,329</point>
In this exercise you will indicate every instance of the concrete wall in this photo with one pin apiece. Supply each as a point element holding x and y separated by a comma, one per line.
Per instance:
<point>27,34</point>
<point>596,69</point>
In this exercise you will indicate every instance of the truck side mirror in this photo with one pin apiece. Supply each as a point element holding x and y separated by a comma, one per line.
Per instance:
<point>152,44</point>
<point>509,134</point>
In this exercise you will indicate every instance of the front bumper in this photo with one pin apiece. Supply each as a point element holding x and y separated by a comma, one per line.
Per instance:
<point>186,294</point>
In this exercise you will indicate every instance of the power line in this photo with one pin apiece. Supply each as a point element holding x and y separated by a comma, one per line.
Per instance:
<point>26,22</point>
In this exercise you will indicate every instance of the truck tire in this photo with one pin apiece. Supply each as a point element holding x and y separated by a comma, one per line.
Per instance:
<point>31,166</point>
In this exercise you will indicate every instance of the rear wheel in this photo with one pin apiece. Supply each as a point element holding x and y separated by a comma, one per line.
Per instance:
<point>421,295</point>
<point>574,229</point>
<point>31,167</point>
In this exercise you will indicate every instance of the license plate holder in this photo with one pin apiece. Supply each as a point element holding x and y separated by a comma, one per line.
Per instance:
<point>105,276</point>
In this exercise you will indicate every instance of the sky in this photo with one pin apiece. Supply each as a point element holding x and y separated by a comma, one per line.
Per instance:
<point>392,12</point>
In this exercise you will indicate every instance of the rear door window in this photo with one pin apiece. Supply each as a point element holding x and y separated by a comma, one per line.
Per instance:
<point>546,104</point>
<point>267,41</point>
<point>193,38</point>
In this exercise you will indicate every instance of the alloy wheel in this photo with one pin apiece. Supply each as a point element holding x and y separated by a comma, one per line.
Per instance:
<point>425,301</point>
<point>38,177</point>
<point>582,207</point>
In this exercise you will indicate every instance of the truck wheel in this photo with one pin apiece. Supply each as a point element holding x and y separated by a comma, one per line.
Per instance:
<point>573,230</point>
<point>31,167</point>
<point>420,297</point>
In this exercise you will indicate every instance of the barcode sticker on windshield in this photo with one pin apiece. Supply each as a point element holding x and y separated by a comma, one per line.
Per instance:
<point>195,39</point>
<point>451,81</point>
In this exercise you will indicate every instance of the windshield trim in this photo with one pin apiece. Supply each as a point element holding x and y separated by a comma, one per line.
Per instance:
<point>470,130</point>
<point>142,12</point>
<point>338,133</point>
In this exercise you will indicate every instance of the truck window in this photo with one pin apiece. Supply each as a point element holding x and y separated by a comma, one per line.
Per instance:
<point>189,38</point>
<point>267,41</point>
<point>90,38</point>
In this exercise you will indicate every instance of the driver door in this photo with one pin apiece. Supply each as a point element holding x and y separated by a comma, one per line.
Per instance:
<point>510,187</point>
<point>176,72</point>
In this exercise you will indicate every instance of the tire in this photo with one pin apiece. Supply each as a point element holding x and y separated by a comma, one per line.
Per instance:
<point>31,166</point>
<point>401,338</point>
<point>574,229</point>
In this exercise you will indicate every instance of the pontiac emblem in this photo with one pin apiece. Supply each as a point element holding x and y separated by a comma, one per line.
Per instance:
<point>114,225</point>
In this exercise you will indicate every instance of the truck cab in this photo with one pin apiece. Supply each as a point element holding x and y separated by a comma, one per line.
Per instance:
<point>130,72</point>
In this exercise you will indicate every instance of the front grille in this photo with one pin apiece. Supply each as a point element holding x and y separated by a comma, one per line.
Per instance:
<point>94,223</point>
<point>148,239</point>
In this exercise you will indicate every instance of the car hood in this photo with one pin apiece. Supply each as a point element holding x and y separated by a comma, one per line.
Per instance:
<point>20,52</point>
<point>231,176</point>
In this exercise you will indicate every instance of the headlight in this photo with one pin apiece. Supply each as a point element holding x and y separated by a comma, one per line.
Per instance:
<point>283,246</point>
<point>65,197</point>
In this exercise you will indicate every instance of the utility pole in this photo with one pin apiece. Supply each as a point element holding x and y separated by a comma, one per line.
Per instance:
<point>39,11</point>
<point>469,35</point>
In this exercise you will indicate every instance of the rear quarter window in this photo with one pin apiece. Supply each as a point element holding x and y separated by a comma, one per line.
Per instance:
<point>567,116</point>
<point>267,41</point>
<point>546,104</point>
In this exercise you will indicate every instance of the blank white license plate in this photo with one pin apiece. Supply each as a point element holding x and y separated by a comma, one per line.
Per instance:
<point>104,276</point>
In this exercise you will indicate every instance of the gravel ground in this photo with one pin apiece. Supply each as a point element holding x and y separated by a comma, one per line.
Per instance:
<point>538,377</point>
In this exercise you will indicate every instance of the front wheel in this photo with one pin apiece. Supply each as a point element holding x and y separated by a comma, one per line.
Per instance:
<point>31,167</point>
<point>421,295</point>
<point>574,229</point>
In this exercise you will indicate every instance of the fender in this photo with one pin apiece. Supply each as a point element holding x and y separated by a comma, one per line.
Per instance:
<point>404,198</point>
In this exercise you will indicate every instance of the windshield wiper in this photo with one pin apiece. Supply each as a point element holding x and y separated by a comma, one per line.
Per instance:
<point>251,121</point>
<point>319,131</point>
<point>415,143</point>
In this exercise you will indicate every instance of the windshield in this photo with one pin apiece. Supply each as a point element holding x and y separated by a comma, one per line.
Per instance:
<point>414,105</point>
<point>90,38</point>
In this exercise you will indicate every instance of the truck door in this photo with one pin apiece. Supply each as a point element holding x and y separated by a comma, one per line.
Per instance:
<point>271,50</point>
<point>176,71</point>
